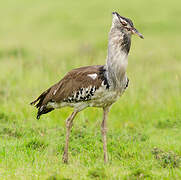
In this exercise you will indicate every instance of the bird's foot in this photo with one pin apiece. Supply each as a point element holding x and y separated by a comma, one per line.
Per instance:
<point>65,158</point>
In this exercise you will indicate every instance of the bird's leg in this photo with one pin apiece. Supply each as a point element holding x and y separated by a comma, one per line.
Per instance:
<point>69,123</point>
<point>104,130</point>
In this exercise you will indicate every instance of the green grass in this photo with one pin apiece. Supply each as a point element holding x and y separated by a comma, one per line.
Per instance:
<point>40,41</point>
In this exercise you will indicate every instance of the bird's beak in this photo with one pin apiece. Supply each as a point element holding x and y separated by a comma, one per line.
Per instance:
<point>135,31</point>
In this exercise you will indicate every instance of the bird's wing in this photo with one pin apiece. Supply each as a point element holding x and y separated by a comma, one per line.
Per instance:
<point>73,81</point>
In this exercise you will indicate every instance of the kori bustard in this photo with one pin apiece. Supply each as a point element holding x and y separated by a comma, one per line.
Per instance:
<point>93,86</point>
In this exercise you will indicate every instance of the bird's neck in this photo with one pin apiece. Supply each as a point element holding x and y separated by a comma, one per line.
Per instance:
<point>117,59</point>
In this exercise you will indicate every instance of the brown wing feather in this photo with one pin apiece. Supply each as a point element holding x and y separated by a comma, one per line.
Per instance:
<point>71,82</point>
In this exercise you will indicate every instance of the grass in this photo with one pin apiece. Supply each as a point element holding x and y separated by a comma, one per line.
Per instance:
<point>40,42</point>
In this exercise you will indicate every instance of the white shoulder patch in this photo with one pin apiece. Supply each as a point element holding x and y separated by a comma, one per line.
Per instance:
<point>93,76</point>
<point>55,91</point>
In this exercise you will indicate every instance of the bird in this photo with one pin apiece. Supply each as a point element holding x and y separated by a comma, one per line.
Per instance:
<point>93,86</point>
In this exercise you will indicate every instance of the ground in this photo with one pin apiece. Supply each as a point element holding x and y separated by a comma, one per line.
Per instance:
<point>40,41</point>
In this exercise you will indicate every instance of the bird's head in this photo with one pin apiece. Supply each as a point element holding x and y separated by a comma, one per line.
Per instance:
<point>124,24</point>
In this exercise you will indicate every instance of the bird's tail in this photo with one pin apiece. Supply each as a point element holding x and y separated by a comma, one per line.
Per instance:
<point>41,105</point>
<point>43,110</point>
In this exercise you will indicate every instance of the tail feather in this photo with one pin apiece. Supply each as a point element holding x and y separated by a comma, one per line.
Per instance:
<point>42,106</point>
<point>34,102</point>
<point>40,99</point>
<point>43,110</point>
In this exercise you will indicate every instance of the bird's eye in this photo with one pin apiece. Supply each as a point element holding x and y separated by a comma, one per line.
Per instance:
<point>124,23</point>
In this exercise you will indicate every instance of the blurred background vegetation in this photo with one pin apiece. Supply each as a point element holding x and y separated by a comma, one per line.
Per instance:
<point>40,41</point>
